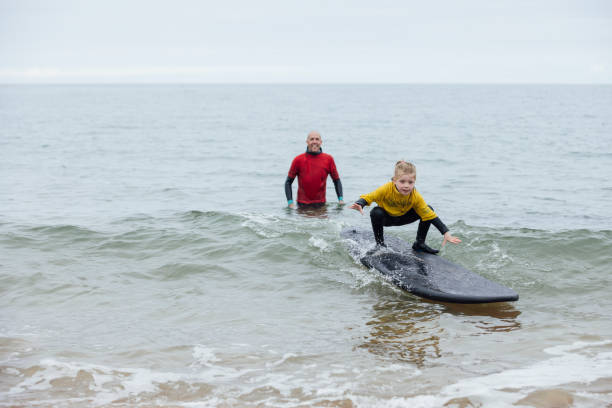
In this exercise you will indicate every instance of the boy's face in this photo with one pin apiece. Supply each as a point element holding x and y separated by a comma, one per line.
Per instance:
<point>405,184</point>
<point>314,142</point>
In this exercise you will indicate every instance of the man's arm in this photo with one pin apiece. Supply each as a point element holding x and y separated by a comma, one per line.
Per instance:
<point>338,187</point>
<point>289,192</point>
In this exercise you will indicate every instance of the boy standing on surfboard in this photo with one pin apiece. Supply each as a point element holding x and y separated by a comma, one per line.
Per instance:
<point>399,203</point>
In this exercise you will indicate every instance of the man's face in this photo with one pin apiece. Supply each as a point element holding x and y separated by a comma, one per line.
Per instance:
<point>314,142</point>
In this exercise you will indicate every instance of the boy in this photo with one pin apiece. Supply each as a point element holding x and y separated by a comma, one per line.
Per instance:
<point>399,203</point>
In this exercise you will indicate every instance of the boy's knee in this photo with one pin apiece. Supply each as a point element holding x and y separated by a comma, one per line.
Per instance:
<point>377,213</point>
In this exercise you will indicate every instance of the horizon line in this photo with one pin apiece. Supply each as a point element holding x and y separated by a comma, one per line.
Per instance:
<point>102,83</point>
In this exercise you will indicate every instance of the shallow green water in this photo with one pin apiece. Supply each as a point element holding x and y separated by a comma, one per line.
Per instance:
<point>147,257</point>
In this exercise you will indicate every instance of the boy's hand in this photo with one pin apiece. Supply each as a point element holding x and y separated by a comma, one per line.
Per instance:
<point>449,238</point>
<point>357,207</point>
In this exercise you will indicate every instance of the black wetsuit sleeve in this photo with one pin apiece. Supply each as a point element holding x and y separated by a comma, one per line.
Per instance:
<point>288,191</point>
<point>437,222</point>
<point>363,203</point>
<point>338,186</point>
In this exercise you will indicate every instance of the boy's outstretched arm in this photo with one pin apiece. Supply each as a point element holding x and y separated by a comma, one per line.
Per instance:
<point>358,205</point>
<point>450,238</point>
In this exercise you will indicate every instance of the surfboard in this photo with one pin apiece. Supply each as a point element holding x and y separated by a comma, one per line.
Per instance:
<point>423,274</point>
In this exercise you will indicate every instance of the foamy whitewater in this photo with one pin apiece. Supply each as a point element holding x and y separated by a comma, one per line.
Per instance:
<point>148,259</point>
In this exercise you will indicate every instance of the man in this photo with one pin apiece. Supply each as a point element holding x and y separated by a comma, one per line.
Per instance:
<point>312,169</point>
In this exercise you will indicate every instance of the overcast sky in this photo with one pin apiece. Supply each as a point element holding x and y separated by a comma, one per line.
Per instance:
<point>308,41</point>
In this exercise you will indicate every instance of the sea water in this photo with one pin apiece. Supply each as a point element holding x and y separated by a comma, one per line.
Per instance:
<point>148,258</point>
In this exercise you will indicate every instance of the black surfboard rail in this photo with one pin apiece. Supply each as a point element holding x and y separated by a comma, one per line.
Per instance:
<point>423,274</point>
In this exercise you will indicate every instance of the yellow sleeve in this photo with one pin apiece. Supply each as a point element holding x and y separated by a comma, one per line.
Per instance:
<point>376,195</point>
<point>422,209</point>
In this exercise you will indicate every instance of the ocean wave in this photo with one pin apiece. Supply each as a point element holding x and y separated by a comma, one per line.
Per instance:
<point>45,236</point>
<point>180,245</point>
<point>210,226</point>
<point>572,372</point>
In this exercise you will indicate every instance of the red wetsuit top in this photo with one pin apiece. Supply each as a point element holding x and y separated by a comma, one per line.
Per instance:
<point>312,171</point>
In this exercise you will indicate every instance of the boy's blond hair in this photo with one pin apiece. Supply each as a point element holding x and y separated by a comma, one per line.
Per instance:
<point>403,167</point>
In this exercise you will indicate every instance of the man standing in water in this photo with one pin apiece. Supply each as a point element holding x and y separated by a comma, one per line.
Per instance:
<point>312,169</point>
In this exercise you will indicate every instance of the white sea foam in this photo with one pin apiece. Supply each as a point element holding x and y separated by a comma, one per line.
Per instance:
<point>262,225</point>
<point>320,243</point>
<point>579,362</point>
<point>108,383</point>
<point>364,277</point>
<point>496,259</point>
<point>281,361</point>
<point>568,366</point>
<point>203,355</point>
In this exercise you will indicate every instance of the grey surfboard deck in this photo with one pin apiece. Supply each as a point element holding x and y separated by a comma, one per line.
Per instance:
<point>423,274</point>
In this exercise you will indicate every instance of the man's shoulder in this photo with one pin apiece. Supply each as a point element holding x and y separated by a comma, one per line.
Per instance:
<point>326,156</point>
<point>300,156</point>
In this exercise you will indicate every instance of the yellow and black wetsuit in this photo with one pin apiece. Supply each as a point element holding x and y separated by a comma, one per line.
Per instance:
<point>397,209</point>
